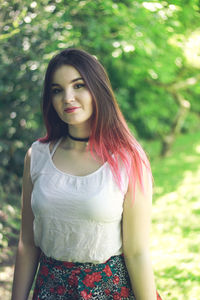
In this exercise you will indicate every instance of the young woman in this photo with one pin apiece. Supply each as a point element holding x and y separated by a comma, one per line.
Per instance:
<point>87,194</point>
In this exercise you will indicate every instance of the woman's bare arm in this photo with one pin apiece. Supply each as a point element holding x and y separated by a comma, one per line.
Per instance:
<point>136,228</point>
<point>27,253</point>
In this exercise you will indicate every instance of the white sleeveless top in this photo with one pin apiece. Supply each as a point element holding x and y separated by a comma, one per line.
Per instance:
<point>76,218</point>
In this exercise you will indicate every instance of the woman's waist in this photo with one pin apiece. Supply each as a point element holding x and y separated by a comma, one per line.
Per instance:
<point>76,263</point>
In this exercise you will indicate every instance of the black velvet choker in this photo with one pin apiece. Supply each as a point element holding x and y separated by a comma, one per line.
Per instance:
<point>78,139</point>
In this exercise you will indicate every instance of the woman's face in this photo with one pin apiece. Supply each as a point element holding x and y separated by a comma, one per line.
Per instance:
<point>71,98</point>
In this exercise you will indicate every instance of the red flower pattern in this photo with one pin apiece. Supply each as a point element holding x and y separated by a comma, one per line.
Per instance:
<point>107,292</point>
<point>68,264</point>
<point>89,281</point>
<point>61,290</point>
<point>73,280</point>
<point>85,295</point>
<point>116,279</point>
<point>40,281</point>
<point>107,270</point>
<point>88,270</point>
<point>52,290</point>
<point>110,279</point>
<point>76,272</point>
<point>44,271</point>
<point>91,278</point>
<point>124,291</point>
<point>116,296</point>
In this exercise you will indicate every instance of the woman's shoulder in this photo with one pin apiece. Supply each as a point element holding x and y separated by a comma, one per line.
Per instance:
<point>38,155</point>
<point>37,151</point>
<point>38,146</point>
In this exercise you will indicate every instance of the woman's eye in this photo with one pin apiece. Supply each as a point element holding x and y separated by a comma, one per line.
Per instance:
<point>55,91</point>
<point>79,85</point>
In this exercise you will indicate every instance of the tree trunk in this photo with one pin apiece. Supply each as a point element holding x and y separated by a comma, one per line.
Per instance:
<point>184,107</point>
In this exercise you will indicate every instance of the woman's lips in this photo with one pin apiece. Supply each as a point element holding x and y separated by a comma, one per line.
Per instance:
<point>70,109</point>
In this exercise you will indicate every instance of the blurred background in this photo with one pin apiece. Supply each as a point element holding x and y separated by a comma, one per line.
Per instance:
<point>151,51</point>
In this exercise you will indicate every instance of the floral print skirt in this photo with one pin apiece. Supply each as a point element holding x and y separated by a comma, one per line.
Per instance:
<point>68,280</point>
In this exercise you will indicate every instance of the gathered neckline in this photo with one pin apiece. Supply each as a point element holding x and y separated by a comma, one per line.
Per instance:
<point>68,174</point>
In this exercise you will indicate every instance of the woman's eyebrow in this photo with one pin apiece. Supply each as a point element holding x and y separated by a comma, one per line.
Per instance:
<point>74,80</point>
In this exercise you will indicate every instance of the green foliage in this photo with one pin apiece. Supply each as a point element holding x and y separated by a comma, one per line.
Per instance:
<point>146,47</point>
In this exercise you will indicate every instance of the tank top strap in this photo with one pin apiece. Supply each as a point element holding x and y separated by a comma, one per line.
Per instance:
<point>55,146</point>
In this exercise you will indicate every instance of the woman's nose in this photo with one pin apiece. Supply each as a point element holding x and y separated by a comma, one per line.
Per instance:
<point>68,95</point>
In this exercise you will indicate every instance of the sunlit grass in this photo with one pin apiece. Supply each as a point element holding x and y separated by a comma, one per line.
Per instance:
<point>176,221</point>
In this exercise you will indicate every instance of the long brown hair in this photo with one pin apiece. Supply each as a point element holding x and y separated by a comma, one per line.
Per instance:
<point>109,131</point>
